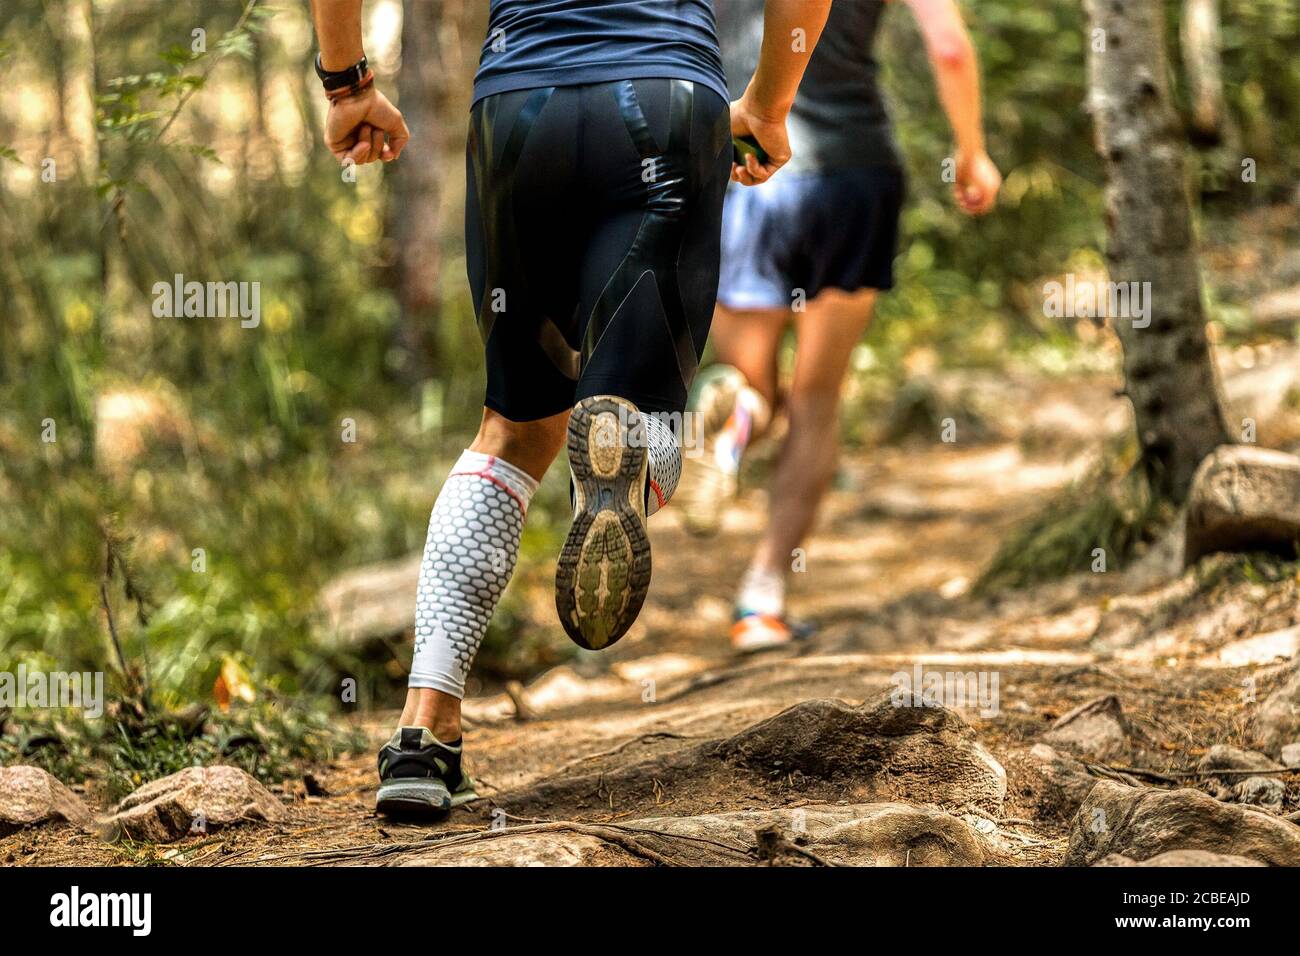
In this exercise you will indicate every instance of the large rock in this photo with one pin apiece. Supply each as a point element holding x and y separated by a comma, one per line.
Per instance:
<point>370,603</point>
<point>31,797</point>
<point>193,801</point>
<point>1142,823</point>
<point>1181,858</point>
<point>876,834</point>
<point>1243,498</point>
<point>1226,757</point>
<point>1250,788</point>
<point>872,834</point>
<point>822,750</point>
<point>559,848</point>
<point>1097,728</point>
<point>1277,722</point>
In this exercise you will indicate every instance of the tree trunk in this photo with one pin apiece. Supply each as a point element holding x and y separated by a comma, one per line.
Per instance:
<point>1201,62</point>
<point>417,206</point>
<point>1169,373</point>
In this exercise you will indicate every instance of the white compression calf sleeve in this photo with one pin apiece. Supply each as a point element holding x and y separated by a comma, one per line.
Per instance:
<point>469,555</point>
<point>665,454</point>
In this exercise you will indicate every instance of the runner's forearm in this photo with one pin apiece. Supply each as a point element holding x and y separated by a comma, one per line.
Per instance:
<point>956,70</point>
<point>791,29</point>
<point>338,31</point>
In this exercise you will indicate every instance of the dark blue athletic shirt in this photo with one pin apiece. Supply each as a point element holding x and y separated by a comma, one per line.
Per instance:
<point>532,43</point>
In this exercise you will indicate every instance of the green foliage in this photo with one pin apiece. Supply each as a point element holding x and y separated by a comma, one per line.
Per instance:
<point>238,449</point>
<point>273,740</point>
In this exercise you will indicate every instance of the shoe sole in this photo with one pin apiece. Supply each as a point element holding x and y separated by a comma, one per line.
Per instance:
<point>758,647</point>
<point>603,572</point>
<point>414,797</point>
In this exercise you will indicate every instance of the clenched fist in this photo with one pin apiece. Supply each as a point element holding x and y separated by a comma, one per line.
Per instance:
<point>365,128</point>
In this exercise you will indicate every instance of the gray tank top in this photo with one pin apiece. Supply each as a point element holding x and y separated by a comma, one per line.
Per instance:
<point>839,119</point>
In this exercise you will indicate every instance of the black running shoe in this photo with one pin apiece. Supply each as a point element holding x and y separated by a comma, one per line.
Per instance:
<point>603,573</point>
<point>419,776</point>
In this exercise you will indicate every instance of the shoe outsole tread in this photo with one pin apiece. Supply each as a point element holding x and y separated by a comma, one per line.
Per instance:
<point>603,572</point>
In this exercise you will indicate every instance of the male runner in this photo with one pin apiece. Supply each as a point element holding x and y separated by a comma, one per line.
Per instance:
<point>598,156</point>
<point>824,235</point>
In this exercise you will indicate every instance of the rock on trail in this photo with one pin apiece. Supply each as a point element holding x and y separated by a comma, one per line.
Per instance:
<point>1141,823</point>
<point>874,834</point>
<point>1277,723</point>
<point>1097,728</point>
<point>1181,858</point>
<point>1249,787</point>
<point>31,797</point>
<point>192,801</point>
<point>1243,499</point>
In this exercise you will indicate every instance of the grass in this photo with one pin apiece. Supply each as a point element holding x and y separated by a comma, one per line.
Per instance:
<point>273,740</point>
<point>1111,508</point>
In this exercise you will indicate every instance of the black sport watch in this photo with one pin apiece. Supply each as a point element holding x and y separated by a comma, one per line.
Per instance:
<point>337,80</point>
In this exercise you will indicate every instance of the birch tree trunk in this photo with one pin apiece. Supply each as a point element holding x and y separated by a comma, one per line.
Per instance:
<point>1169,373</point>
<point>1202,64</point>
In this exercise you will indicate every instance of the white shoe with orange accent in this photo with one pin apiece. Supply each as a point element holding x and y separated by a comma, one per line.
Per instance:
<point>760,632</point>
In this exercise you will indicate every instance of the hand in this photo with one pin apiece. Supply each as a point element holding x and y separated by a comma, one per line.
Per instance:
<point>769,131</point>
<point>365,128</point>
<point>978,181</point>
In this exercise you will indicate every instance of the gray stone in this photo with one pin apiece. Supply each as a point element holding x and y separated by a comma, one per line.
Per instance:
<point>1291,755</point>
<point>1225,757</point>
<point>1259,791</point>
<point>872,834</point>
<point>1097,729</point>
<point>1142,823</point>
<point>193,801</point>
<point>524,849</point>
<point>1277,722</point>
<point>875,834</point>
<point>370,603</point>
<point>1266,792</point>
<point>31,797</point>
<point>1243,498</point>
<point>1181,858</point>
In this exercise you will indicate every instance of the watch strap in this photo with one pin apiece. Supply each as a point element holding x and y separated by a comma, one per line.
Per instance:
<point>341,79</point>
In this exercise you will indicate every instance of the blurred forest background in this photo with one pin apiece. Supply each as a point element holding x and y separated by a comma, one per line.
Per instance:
<point>202,485</point>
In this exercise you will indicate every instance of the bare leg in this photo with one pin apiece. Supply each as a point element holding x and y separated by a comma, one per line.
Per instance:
<point>531,446</point>
<point>826,334</point>
<point>733,402</point>
<point>750,340</point>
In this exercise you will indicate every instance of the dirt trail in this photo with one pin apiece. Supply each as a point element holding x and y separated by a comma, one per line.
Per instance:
<point>648,753</point>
